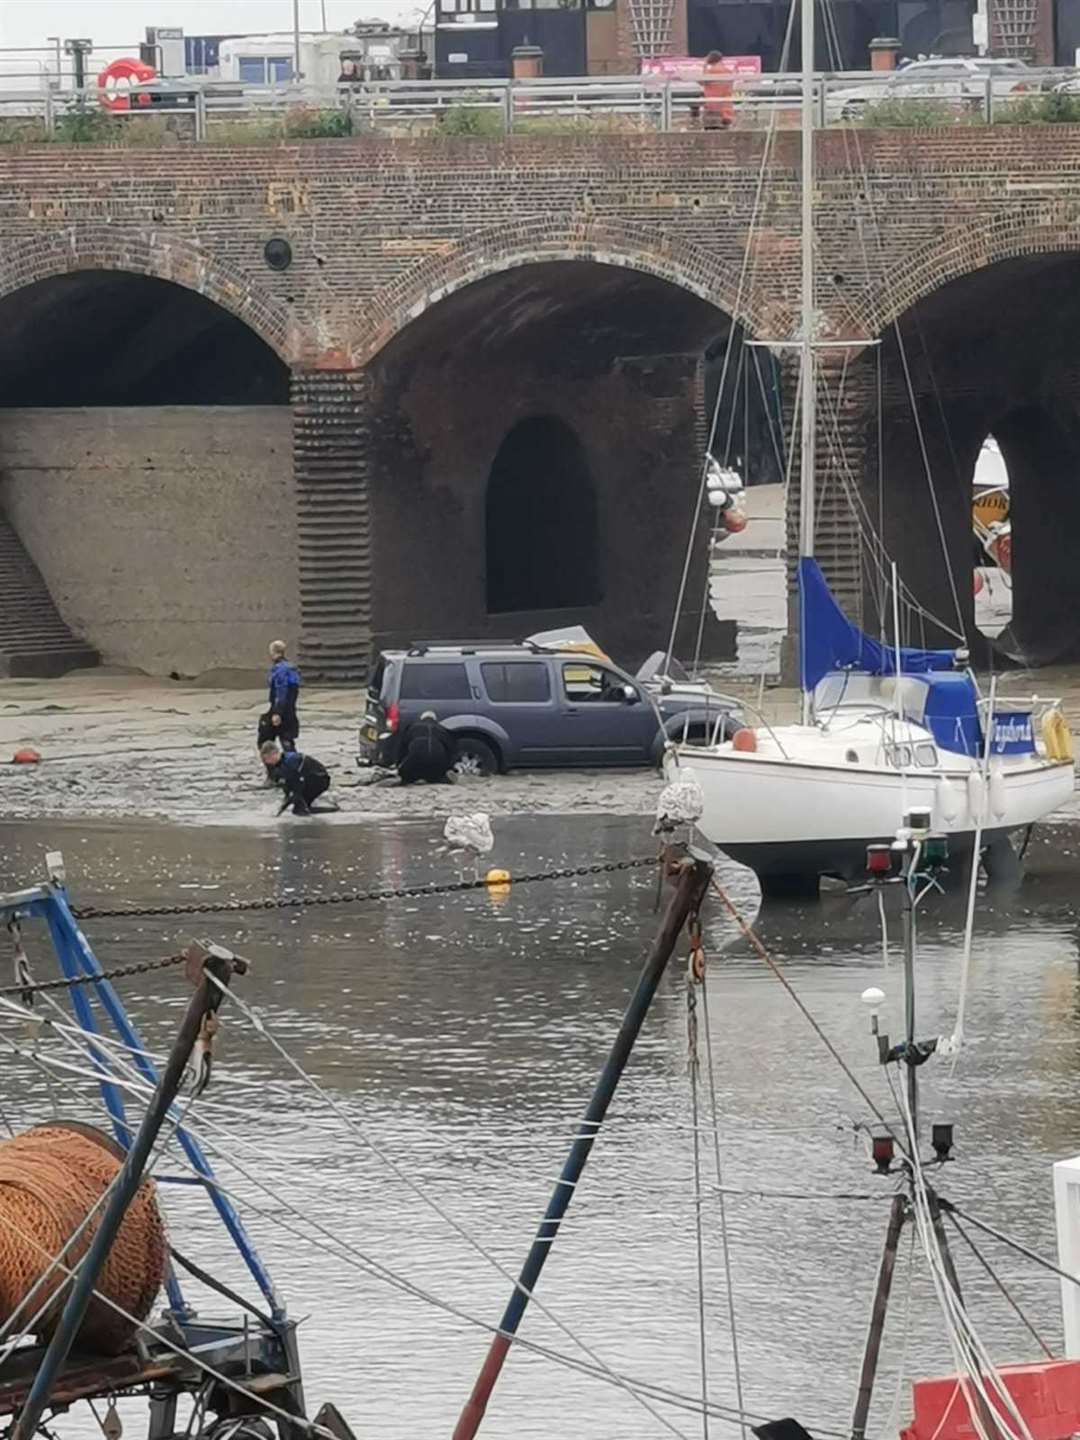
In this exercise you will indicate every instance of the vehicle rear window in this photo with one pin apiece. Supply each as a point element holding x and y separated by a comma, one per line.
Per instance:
<point>375,684</point>
<point>521,681</point>
<point>435,680</point>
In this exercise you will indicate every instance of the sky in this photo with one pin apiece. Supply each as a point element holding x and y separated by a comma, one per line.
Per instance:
<point>124,22</point>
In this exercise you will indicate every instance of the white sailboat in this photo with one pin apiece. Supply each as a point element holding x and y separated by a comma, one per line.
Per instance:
<point>884,728</point>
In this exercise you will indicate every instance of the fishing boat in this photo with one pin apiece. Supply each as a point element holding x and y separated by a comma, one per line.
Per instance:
<point>883,725</point>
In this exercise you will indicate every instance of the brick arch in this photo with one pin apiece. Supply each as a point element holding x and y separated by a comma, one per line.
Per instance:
<point>962,253</point>
<point>71,249</point>
<point>495,251</point>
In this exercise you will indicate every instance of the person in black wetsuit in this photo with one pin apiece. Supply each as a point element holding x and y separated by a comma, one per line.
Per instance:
<point>281,722</point>
<point>302,778</point>
<point>427,752</point>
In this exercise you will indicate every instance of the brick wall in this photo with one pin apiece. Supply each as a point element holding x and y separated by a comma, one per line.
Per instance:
<point>381,230</point>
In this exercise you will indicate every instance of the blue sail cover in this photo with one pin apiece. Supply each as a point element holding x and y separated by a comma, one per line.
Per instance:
<point>829,641</point>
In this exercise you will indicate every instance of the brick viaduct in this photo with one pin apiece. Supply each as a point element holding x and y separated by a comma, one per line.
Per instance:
<point>441,292</point>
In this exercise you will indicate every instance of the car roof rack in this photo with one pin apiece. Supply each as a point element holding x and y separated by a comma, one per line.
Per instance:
<point>470,647</point>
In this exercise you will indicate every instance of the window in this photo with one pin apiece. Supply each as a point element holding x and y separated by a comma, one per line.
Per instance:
<point>591,683</point>
<point>519,682</point>
<point>926,754</point>
<point>280,67</point>
<point>378,675</point>
<point>442,681</point>
<point>252,69</point>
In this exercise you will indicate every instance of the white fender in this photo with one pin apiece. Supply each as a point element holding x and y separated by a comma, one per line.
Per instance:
<point>976,797</point>
<point>948,801</point>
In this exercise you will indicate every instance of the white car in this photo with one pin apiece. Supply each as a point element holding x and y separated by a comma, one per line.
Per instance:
<point>954,80</point>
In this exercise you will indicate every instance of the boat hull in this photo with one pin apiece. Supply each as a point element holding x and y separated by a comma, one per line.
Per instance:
<point>786,818</point>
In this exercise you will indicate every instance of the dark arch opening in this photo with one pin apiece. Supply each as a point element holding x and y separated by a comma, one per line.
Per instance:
<point>540,521</point>
<point>110,337</point>
<point>995,353</point>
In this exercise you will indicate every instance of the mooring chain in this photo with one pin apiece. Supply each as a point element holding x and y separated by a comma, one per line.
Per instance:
<point>356,897</point>
<point>140,967</point>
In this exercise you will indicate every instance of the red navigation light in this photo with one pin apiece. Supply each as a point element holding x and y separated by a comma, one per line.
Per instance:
<point>882,1149</point>
<point>878,859</point>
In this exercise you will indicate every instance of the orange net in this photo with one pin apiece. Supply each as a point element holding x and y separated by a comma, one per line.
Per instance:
<point>50,1179</point>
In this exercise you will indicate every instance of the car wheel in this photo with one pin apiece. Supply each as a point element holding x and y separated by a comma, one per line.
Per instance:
<point>474,756</point>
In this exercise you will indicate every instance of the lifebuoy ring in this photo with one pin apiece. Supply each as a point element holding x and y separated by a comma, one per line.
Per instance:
<point>127,68</point>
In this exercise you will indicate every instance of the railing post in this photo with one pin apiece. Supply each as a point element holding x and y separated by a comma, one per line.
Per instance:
<point>823,110</point>
<point>989,108</point>
<point>200,114</point>
<point>666,118</point>
<point>49,114</point>
<point>508,107</point>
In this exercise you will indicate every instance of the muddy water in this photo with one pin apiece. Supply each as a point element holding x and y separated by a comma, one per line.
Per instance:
<point>464,1036</point>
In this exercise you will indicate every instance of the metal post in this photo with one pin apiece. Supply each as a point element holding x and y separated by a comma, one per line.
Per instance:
<point>988,107</point>
<point>692,879</point>
<point>50,114</point>
<point>296,40</point>
<point>206,1000</point>
<point>200,114</point>
<point>666,110</point>
<point>912,1077</point>
<point>807,433</point>
<point>897,1216</point>
<point>508,107</point>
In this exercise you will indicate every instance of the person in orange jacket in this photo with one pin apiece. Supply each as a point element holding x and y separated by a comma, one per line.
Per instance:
<point>718,88</point>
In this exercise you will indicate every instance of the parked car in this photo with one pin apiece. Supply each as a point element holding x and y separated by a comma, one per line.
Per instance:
<point>954,80</point>
<point>524,705</point>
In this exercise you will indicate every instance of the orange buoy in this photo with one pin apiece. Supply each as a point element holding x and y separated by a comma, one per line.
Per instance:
<point>744,740</point>
<point>733,519</point>
<point>26,755</point>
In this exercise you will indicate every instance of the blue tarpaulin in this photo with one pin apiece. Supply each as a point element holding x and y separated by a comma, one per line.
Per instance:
<point>829,641</point>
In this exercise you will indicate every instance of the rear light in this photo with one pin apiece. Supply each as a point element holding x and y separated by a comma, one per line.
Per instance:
<point>393,715</point>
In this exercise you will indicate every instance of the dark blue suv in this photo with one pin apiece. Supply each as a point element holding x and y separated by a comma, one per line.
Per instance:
<point>523,706</point>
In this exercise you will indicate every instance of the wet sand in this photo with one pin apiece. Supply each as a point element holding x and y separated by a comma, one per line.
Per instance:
<point>123,745</point>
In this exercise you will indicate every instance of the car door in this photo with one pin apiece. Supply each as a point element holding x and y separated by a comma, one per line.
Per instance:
<point>521,699</point>
<point>603,725</point>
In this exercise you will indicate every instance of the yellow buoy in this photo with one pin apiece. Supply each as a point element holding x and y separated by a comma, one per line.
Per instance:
<point>498,878</point>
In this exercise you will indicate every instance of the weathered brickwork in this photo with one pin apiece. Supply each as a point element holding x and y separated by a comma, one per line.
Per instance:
<point>383,230</point>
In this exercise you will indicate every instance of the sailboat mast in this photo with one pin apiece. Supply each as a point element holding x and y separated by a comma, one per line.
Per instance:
<point>807,374</point>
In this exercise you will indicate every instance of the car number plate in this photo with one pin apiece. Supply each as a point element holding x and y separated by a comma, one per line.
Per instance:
<point>370,733</point>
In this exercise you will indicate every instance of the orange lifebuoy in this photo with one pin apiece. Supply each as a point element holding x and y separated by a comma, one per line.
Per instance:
<point>127,68</point>
<point>744,740</point>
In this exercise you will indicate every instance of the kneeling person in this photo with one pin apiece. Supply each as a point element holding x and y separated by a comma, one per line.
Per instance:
<point>427,752</point>
<point>301,777</point>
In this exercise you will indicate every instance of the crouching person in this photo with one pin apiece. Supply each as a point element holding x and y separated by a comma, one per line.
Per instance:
<point>302,778</point>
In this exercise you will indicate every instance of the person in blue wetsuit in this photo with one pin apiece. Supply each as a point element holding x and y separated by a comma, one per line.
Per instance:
<point>302,778</point>
<point>281,721</point>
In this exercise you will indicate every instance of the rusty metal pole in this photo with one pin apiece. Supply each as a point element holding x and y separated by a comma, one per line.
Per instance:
<point>208,996</point>
<point>691,881</point>
<point>897,1216</point>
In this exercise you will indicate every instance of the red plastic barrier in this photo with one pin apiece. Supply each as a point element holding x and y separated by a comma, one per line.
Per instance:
<point>127,68</point>
<point>1046,1393</point>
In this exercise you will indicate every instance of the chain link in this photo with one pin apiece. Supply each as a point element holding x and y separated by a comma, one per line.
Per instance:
<point>140,967</point>
<point>356,897</point>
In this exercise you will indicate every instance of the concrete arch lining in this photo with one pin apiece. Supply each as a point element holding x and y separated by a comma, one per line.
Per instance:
<point>105,248</point>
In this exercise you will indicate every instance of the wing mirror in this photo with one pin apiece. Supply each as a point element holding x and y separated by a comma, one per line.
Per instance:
<point>630,695</point>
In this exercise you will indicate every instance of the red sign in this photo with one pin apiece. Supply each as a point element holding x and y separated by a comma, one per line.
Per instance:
<point>690,67</point>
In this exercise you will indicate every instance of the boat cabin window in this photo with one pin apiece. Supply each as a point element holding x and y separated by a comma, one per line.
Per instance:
<point>926,754</point>
<point>900,756</point>
<point>852,757</point>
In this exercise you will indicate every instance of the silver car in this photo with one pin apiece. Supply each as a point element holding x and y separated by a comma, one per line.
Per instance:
<point>956,81</point>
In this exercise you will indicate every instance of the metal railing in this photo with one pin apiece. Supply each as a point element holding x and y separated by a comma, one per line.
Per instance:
<point>203,110</point>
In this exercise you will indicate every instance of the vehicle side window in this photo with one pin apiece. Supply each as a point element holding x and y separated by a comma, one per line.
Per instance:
<point>517,682</point>
<point>592,684</point>
<point>435,680</point>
